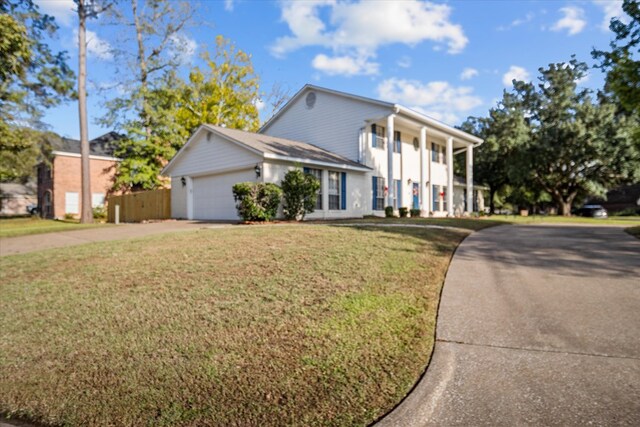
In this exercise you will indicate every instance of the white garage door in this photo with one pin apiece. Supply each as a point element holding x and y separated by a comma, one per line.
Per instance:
<point>212,195</point>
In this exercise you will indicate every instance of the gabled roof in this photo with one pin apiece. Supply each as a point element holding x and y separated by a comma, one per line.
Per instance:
<point>394,108</point>
<point>275,148</point>
<point>104,145</point>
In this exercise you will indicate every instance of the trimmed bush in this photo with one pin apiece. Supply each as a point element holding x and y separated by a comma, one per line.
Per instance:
<point>99,212</point>
<point>415,213</point>
<point>388,211</point>
<point>257,201</point>
<point>300,192</point>
<point>404,212</point>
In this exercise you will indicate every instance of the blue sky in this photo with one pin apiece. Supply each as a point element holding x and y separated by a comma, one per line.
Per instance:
<point>448,60</point>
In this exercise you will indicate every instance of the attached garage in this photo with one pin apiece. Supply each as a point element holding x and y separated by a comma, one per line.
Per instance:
<point>212,195</point>
<point>206,168</point>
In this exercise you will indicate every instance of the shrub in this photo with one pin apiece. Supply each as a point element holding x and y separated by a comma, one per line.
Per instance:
<point>404,212</point>
<point>300,191</point>
<point>415,213</point>
<point>388,211</point>
<point>257,201</point>
<point>69,216</point>
<point>99,212</point>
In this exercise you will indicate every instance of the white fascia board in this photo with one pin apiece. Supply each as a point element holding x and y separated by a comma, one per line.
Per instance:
<point>91,156</point>
<point>271,156</point>
<point>429,122</point>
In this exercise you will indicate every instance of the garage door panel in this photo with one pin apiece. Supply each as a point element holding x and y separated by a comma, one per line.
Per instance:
<point>213,197</point>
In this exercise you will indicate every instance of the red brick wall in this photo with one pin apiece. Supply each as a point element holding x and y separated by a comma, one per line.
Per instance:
<point>67,178</point>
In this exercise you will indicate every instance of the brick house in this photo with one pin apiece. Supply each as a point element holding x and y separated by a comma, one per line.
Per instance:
<point>59,179</point>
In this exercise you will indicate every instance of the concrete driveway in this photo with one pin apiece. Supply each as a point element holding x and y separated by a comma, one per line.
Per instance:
<point>538,325</point>
<point>59,239</point>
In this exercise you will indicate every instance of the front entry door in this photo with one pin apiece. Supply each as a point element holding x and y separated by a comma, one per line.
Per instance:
<point>416,195</point>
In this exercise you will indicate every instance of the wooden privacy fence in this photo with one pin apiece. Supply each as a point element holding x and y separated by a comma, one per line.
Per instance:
<point>137,207</point>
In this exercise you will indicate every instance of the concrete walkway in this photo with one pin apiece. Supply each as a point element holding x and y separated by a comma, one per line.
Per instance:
<point>37,242</point>
<point>538,325</point>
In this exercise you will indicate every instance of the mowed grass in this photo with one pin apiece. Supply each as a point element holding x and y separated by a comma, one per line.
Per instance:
<point>13,227</point>
<point>634,231</point>
<point>491,221</point>
<point>557,219</point>
<point>463,223</point>
<point>256,325</point>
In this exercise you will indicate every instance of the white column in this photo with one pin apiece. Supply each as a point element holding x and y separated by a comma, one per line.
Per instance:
<point>324,182</point>
<point>449,194</point>
<point>470,179</point>
<point>390,160</point>
<point>424,202</point>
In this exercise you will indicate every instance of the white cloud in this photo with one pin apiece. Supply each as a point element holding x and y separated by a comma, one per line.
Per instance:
<point>260,104</point>
<point>515,73</point>
<point>404,62</point>
<point>228,5</point>
<point>344,65</point>
<point>183,47</point>
<point>437,99</point>
<point>573,20</point>
<point>517,22</point>
<point>611,9</point>
<point>358,29</point>
<point>468,73</point>
<point>96,46</point>
<point>62,10</point>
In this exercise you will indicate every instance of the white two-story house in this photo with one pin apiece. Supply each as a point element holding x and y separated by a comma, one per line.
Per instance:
<point>367,154</point>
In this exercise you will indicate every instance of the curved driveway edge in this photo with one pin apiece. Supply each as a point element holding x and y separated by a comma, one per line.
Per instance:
<point>537,325</point>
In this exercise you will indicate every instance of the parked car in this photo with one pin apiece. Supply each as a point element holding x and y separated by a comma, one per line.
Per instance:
<point>592,211</point>
<point>33,209</point>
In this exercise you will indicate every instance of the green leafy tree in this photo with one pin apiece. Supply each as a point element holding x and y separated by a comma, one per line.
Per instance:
<point>300,192</point>
<point>503,131</point>
<point>224,95</point>
<point>622,63</point>
<point>575,146</point>
<point>145,154</point>
<point>32,78</point>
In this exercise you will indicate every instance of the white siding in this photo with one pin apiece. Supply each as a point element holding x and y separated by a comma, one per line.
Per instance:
<point>178,199</point>
<point>217,154</point>
<point>213,197</point>
<point>358,191</point>
<point>333,123</point>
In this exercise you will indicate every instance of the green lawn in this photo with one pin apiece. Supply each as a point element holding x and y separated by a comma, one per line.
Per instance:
<point>259,325</point>
<point>22,226</point>
<point>554,219</point>
<point>634,231</point>
<point>490,221</point>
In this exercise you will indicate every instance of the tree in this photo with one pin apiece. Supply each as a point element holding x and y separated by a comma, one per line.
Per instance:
<point>144,113</point>
<point>504,131</point>
<point>32,78</point>
<point>86,9</point>
<point>623,70</point>
<point>144,155</point>
<point>575,146</point>
<point>225,96</point>
<point>300,191</point>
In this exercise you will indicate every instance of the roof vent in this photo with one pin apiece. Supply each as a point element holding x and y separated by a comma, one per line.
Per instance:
<point>310,100</point>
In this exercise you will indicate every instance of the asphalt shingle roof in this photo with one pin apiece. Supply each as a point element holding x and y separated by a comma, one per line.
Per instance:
<point>104,145</point>
<point>284,147</point>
